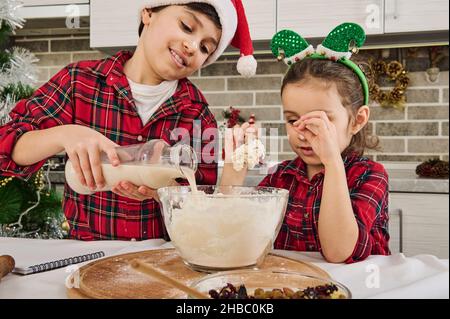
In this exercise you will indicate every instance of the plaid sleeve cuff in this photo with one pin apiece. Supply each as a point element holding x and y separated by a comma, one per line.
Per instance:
<point>7,142</point>
<point>363,246</point>
<point>265,182</point>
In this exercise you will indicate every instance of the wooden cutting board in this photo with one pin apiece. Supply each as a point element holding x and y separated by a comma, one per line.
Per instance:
<point>113,277</point>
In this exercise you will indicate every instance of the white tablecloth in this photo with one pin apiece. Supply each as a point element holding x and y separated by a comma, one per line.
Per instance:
<point>395,276</point>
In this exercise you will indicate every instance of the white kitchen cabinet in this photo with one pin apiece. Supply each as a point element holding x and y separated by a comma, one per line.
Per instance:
<point>415,15</point>
<point>107,32</point>
<point>424,222</point>
<point>51,2</point>
<point>115,23</point>
<point>262,18</point>
<point>47,9</point>
<point>317,18</point>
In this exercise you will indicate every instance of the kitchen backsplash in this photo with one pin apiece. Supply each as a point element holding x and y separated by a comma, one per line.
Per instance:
<point>415,134</point>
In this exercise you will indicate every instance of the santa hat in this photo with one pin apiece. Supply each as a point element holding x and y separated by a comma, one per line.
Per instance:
<point>235,30</point>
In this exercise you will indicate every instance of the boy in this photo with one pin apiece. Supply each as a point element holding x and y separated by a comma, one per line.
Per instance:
<point>91,107</point>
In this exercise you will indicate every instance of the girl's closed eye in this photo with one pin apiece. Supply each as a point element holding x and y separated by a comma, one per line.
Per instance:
<point>291,121</point>
<point>204,49</point>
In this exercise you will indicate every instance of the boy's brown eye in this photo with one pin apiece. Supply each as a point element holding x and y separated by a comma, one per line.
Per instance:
<point>186,27</point>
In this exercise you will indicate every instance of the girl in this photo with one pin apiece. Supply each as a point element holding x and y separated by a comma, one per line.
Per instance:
<point>91,107</point>
<point>338,202</point>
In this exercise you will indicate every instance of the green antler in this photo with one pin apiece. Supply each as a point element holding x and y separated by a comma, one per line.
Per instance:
<point>338,46</point>
<point>345,37</point>
<point>289,41</point>
<point>291,46</point>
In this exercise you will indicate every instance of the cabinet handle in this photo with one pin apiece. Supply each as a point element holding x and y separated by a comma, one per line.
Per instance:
<point>395,10</point>
<point>399,212</point>
<point>400,215</point>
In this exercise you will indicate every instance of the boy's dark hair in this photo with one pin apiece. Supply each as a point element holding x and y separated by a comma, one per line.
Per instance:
<point>204,8</point>
<point>349,88</point>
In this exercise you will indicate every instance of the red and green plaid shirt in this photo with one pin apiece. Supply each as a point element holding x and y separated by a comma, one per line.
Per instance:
<point>97,94</point>
<point>368,187</point>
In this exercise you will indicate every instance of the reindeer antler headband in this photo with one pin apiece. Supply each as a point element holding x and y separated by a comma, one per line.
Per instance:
<point>338,46</point>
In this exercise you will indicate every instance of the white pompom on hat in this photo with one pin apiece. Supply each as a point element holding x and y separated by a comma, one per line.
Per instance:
<point>235,30</point>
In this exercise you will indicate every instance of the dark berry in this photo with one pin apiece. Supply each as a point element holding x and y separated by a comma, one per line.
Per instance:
<point>242,292</point>
<point>214,294</point>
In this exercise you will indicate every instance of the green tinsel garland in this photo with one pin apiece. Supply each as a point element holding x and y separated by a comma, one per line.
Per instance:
<point>19,91</point>
<point>5,31</point>
<point>5,58</point>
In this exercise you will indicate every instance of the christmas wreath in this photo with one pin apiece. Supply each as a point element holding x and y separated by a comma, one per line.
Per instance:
<point>394,71</point>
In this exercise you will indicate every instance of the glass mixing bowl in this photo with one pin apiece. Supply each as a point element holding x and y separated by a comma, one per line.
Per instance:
<point>223,228</point>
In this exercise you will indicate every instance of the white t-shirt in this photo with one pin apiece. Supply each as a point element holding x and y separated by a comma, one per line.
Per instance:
<point>149,97</point>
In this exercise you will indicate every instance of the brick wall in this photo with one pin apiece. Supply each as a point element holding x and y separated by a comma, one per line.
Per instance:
<point>418,133</point>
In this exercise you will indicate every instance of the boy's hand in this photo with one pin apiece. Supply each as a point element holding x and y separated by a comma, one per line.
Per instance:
<point>83,146</point>
<point>140,193</point>
<point>316,129</point>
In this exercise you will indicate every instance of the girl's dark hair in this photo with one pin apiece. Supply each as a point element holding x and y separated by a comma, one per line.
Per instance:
<point>349,88</point>
<point>204,8</point>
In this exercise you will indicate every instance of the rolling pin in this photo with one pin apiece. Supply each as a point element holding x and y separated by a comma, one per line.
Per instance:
<point>7,264</point>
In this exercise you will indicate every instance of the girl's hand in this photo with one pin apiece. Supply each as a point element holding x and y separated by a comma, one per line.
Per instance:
<point>83,146</point>
<point>316,129</point>
<point>235,138</point>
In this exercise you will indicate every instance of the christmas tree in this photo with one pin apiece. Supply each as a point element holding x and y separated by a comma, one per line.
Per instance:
<point>28,208</point>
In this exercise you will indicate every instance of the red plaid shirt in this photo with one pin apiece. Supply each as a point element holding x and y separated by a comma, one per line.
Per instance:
<point>368,187</point>
<point>97,94</point>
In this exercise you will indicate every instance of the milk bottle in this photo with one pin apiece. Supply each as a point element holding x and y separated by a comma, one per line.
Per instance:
<point>154,164</point>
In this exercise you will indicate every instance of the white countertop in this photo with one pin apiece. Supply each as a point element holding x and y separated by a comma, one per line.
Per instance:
<point>395,276</point>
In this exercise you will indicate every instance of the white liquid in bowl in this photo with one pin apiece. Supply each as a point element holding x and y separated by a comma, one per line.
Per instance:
<point>224,232</point>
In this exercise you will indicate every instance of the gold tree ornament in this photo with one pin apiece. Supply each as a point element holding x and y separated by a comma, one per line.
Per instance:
<point>65,225</point>
<point>392,71</point>
<point>5,181</point>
